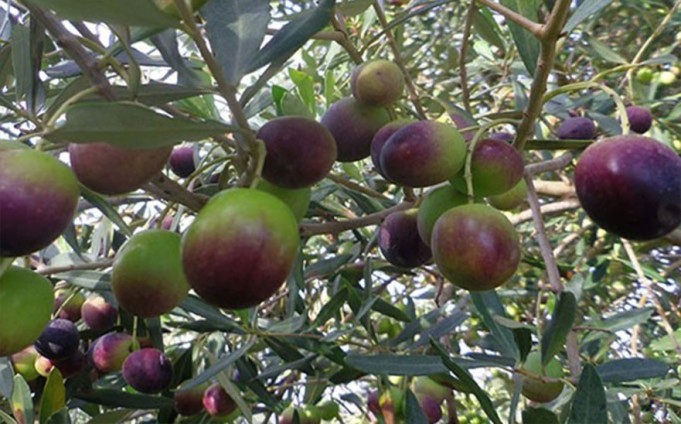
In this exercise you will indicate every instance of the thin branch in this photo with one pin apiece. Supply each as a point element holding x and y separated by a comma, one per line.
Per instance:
<point>165,188</point>
<point>334,227</point>
<point>554,188</point>
<point>550,165</point>
<point>463,72</point>
<point>322,35</point>
<point>512,15</point>
<point>356,187</point>
<point>549,36</point>
<point>75,50</point>
<point>345,42</point>
<point>397,53</point>
<point>106,263</point>
<point>547,209</point>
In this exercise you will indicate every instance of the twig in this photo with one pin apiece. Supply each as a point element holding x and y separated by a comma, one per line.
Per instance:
<point>550,165</point>
<point>397,53</point>
<point>549,34</point>
<point>75,50</point>
<point>512,15</point>
<point>75,267</point>
<point>322,35</point>
<point>167,189</point>
<point>356,187</point>
<point>653,296</point>
<point>463,72</point>
<point>345,42</point>
<point>554,188</point>
<point>547,209</point>
<point>333,227</point>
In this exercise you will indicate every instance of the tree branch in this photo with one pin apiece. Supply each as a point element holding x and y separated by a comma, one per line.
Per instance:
<point>333,227</point>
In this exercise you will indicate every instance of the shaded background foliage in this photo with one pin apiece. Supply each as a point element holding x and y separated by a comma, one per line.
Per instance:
<point>319,337</point>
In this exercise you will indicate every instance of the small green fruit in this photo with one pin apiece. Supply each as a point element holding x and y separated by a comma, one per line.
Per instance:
<point>540,391</point>
<point>26,302</point>
<point>511,199</point>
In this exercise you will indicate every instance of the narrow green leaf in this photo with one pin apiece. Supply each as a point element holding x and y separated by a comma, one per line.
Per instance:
<point>589,404</point>
<point>59,417</point>
<point>235,29</point>
<point>22,61</point>
<point>485,25</point>
<point>527,44</point>
<point>489,306</point>
<point>6,418</point>
<point>605,52</point>
<point>539,416</point>
<point>386,308</point>
<point>130,125</point>
<point>293,35</point>
<point>118,398</point>
<point>584,11</point>
<point>553,339</point>
<point>396,364</point>
<point>212,314</point>
<point>54,395</point>
<point>219,366</point>
<point>104,207</point>
<point>91,280</point>
<point>468,381</point>
<point>122,12</point>
<point>629,369</point>
<point>6,372</point>
<point>331,308</point>
<point>22,404</point>
<point>413,410</point>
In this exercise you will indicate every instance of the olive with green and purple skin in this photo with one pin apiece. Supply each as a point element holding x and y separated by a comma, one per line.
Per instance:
<point>70,366</point>
<point>147,277</point>
<point>353,126</point>
<point>640,118</point>
<point>436,202</point>
<point>189,401</point>
<point>496,167</point>
<point>300,151</point>
<point>377,82</point>
<point>630,185</point>
<point>475,247</point>
<point>382,136</point>
<point>68,302</point>
<point>307,414</point>
<point>109,352</point>
<point>217,402</point>
<point>98,314</point>
<point>148,370</point>
<point>399,240</point>
<point>240,248</point>
<point>111,170</point>
<point>26,301</point>
<point>577,128</point>
<point>438,149</point>
<point>36,206</point>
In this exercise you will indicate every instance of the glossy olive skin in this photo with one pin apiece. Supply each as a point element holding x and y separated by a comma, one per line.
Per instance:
<point>537,390</point>
<point>181,161</point>
<point>26,301</point>
<point>496,167</point>
<point>36,206</point>
<point>71,309</point>
<point>189,401</point>
<point>353,126</point>
<point>109,351</point>
<point>630,186</point>
<point>58,340</point>
<point>377,82</point>
<point>577,128</point>
<point>399,240</point>
<point>240,248</point>
<point>475,247</point>
<point>111,170</point>
<point>98,314</point>
<point>640,118</point>
<point>148,370</point>
<point>24,363</point>
<point>217,402</point>
<point>147,277</point>
<point>510,199</point>
<point>300,151</point>
<point>437,148</point>
<point>381,137</point>
<point>437,201</point>
<point>298,199</point>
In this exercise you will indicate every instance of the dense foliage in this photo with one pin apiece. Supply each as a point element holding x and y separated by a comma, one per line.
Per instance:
<point>356,326</point>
